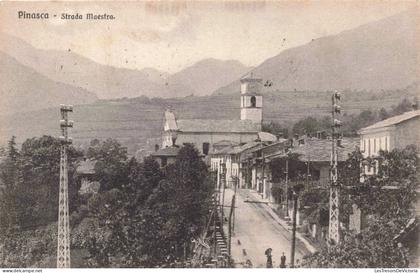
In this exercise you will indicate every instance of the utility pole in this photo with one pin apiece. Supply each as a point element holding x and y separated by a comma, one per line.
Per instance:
<point>287,184</point>
<point>334,222</point>
<point>295,204</point>
<point>223,182</point>
<point>232,208</point>
<point>236,182</point>
<point>63,234</point>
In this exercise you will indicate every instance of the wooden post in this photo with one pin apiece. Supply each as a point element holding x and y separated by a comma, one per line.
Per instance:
<point>232,207</point>
<point>287,186</point>
<point>295,202</point>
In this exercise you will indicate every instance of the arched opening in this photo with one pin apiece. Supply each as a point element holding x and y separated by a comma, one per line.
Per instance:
<point>253,101</point>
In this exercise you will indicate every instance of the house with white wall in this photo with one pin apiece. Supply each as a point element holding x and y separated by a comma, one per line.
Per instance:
<point>393,133</point>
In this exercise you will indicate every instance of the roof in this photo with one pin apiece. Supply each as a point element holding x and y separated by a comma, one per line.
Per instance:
<point>250,77</point>
<point>237,149</point>
<point>392,121</point>
<point>166,152</point>
<point>217,125</point>
<point>86,167</point>
<point>264,136</point>
<point>274,148</point>
<point>319,150</point>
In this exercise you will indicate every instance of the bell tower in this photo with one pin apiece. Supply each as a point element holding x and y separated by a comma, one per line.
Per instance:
<point>251,99</point>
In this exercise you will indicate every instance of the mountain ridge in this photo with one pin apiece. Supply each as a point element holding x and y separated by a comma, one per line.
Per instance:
<point>113,82</point>
<point>24,89</point>
<point>374,56</point>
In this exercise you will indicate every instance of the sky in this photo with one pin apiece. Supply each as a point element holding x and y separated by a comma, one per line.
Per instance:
<point>170,36</point>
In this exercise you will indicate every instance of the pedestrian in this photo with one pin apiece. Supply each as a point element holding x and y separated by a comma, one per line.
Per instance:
<point>283,261</point>
<point>297,264</point>
<point>269,258</point>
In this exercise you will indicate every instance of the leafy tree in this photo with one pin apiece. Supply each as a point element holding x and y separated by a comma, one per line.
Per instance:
<point>383,114</point>
<point>110,166</point>
<point>388,198</point>
<point>275,128</point>
<point>372,248</point>
<point>148,221</point>
<point>404,106</point>
<point>31,176</point>
<point>311,125</point>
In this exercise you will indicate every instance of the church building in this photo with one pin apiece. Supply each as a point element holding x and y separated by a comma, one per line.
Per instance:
<point>208,134</point>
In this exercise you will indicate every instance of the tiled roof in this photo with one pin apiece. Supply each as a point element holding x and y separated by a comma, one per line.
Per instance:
<point>168,151</point>
<point>319,150</point>
<point>237,149</point>
<point>224,126</point>
<point>86,167</point>
<point>392,121</point>
<point>264,136</point>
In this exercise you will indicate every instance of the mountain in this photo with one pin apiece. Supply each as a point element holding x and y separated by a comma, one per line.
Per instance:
<point>23,89</point>
<point>378,55</point>
<point>155,75</point>
<point>71,68</point>
<point>110,82</point>
<point>208,75</point>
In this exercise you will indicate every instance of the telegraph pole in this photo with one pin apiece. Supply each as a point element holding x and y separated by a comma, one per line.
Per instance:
<point>287,184</point>
<point>223,182</point>
<point>334,223</point>
<point>295,204</point>
<point>232,208</point>
<point>63,239</point>
<point>236,182</point>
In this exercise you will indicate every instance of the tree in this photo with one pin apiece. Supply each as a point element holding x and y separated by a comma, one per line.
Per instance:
<point>311,125</point>
<point>178,207</point>
<point>150,220</point>
<point>110,166</point>
<point>383,114</point>
<point>9,177</point>
<point>275,128</point>
<point>31,181</point>
<point>388,198</point>
<point>372,248</point>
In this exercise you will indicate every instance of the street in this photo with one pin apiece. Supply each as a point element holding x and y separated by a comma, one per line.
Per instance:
<point>256,230</point>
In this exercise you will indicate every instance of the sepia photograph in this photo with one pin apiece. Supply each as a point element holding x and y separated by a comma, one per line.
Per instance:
<point>210,134</point>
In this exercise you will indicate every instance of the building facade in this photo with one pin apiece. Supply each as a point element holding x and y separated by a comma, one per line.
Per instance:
<point>392,133</point>
<point>205,133</point>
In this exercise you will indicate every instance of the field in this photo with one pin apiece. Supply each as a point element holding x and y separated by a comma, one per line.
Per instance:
<point>138,122</point>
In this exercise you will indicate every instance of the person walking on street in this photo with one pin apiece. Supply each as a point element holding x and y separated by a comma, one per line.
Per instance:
<point>283,261</point>
<point>269,259</point>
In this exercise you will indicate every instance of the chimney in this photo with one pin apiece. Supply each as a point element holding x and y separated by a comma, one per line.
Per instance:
<point>156,147</point>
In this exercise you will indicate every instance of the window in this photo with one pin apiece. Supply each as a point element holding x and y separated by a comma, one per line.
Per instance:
<point>364,145</point>
<point>253,101</point>
<point>206,147</point>
<point>386,143</point>
<point>369,147</point>
<point>164,161</point>
<point>374,145</point>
